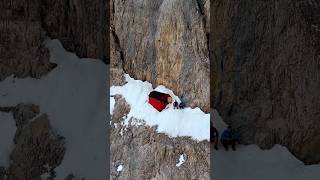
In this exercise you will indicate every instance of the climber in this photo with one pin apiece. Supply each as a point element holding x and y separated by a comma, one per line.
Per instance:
<point>229,137</point>
<point>159,100</point>
<point>175,105</point>
<point>181,105</point>
<point>214,136</point>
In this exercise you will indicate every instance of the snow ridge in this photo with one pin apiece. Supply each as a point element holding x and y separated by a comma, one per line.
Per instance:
<point>173,122</point>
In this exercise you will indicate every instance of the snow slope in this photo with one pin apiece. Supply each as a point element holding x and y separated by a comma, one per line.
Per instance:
<point>7,131</point>
<point>75,99</point>
<point>173,122</point>
<point>252,163</point>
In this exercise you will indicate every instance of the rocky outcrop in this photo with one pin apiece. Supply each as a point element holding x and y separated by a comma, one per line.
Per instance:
<point>21,40</point>
<point>265,72</point>
<point>147,154</point>
<point>164,42</point>
<point>37,150</point>
<point>81,26</point>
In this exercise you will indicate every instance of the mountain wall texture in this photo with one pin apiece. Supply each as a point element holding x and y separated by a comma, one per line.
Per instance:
<point>164,42</point>
<point>37,148</point>
<point>266,72</point>
<point>21,40</point>
<point>81,26</point>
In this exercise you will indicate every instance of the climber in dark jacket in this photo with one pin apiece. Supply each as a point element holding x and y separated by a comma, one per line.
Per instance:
<point>229,137</point>
<point>214,136</point>
<point>175,105</point>
<point>182,105</point>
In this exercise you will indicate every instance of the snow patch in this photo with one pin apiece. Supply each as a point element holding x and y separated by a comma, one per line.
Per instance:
<point>181,160</point>
<point>174,122</point>
<point>112,103</point>
<point>119,168</point>
<point>252,163</point>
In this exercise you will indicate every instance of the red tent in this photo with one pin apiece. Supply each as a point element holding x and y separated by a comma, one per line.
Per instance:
<point>158,100</point>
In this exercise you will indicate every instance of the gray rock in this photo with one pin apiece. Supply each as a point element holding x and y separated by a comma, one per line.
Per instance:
<point>21,41</point>
<point>265,72</point>
<point>37,150</point>
<point>80,25</point>
<point>2,173</point>
<point>123,108</point>
<point>23,113</point>
<point>164,42</point>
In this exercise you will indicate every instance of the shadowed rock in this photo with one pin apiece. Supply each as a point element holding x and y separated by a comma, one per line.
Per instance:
<point>265,72</point>
<point>37,150</point>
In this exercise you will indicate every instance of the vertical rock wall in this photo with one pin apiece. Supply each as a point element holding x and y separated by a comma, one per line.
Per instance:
<point>164,42</point>
<point>81,26</point>
<point>266,72</point>
<point>21,40</point>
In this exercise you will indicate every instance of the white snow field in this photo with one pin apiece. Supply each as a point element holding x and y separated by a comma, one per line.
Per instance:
<point>252,163</point>
<point>7,131</point>
<point>173,122</point>
<point>75,99</point>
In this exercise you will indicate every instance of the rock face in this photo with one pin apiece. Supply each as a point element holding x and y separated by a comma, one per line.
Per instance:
<point>21,40</point>
<point>38,149</point>
<point>266,73</point>
<point>81,26</point>
<point>164,42</point>
<point>146,154</point>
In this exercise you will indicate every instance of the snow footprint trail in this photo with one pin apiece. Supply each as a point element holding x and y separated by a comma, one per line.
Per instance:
<point>173,122</point>
<point>252,163</point>
<point>74,97</point>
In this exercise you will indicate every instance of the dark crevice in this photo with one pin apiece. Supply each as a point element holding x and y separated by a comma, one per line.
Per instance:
<point>6,109</point>
<point>118,48</point>
<point>203,17</point>
<point>200,6</point>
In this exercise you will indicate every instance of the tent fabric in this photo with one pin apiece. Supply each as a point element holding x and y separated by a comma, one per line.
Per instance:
<point>158,95</point>
<point>158,100</point>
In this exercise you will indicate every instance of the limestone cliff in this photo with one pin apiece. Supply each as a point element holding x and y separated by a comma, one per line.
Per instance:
<point>164,42</point>
<point>21,40</point>
<point>81,26</point>
<point>266,74</point>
